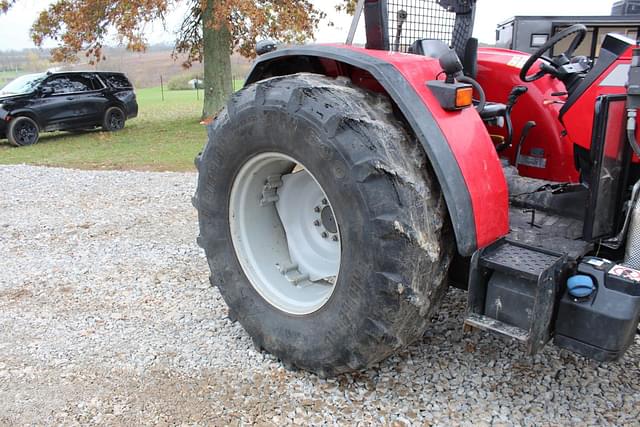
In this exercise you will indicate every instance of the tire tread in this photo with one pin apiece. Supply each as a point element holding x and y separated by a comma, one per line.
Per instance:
<point>410,216</point>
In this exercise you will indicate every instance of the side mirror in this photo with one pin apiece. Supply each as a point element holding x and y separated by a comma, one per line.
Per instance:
<point>46,90</point>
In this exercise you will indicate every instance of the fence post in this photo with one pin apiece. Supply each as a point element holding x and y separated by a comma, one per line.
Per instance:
<point>162,88</point>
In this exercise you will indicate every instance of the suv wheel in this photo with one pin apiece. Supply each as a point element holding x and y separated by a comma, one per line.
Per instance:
<point>23,131</point>
<point>114,119</point>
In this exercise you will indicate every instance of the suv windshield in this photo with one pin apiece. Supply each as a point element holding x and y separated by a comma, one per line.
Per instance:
<point>22,85</point>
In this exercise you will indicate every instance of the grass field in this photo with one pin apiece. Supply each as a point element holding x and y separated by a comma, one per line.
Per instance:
<point>166,136</point>
<point>7,76</point>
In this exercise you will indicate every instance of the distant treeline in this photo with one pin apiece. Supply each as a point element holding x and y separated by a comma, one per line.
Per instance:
<point>144,69</point>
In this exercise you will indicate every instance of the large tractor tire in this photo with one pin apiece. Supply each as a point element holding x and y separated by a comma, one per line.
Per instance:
<point>323,225</point>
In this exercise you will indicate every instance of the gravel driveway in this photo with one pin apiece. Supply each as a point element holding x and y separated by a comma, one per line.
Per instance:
<point>106,316</point>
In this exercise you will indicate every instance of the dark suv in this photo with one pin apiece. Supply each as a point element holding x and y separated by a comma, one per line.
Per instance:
<point>48,102</point>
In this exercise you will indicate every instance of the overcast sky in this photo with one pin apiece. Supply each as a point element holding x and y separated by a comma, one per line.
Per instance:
<point>14,27</point>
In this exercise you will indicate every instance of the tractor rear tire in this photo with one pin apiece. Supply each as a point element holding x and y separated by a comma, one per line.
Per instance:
<point>395,237</point>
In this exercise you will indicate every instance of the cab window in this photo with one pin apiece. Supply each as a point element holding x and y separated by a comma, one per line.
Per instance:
<point>80,83</point>
<point>71,84</point>
<point>583,50</point>
<point>92,81</point>
<point>59,84</point>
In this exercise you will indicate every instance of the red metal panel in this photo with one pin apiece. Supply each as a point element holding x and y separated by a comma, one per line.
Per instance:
<point>579,118</point>
<point>470,143</point>
<point>498,73</point>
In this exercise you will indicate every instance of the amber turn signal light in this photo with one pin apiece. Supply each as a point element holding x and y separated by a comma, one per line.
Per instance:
<point>452,96</point>
<point>464,97</point>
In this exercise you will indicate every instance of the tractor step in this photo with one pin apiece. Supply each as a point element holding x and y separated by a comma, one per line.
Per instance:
<point>497,327</point>
<point>513,290</point>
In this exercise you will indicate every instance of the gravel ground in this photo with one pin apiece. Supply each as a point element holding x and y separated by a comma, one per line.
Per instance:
<point>106,317</point>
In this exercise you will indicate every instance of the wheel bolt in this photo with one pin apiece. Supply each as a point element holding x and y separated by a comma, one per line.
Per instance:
<point>325,235</point>
<point>325,202</point>
<point>316,209</point>
<point>316,223</point>
<point>334,238</point>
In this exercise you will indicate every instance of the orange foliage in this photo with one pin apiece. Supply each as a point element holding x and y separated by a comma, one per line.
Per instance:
<point>83,25</point>
<point>5,5</point>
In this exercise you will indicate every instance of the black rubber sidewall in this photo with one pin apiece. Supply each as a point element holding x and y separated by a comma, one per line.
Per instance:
<point>106,123</point>
<point>357,290</point>
<point>12,128</point>
<point>396,236</point>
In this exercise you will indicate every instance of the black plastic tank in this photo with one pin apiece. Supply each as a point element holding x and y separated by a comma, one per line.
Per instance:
<point>600,324</point>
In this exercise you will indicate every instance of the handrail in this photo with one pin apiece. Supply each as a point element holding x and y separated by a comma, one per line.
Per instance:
<point>355,22</point>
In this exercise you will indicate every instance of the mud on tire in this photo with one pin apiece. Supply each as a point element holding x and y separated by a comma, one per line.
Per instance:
<point>396,237</point>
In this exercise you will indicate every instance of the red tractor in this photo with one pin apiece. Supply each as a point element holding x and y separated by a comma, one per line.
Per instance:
<point>344,189</point>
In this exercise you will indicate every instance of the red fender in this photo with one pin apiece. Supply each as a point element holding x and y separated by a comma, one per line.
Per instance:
<point>457,143</point>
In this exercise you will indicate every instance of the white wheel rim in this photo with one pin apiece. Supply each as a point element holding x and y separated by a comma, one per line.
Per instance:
<point>284,233</point>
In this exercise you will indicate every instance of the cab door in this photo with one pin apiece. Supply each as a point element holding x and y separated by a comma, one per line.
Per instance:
<point>54,106</point>
<point>69,101</point>
<point>88,96</point>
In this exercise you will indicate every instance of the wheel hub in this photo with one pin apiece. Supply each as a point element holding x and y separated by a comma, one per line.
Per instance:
<point>300,207</point>
<point>284,233</point>
<point>25,134</point>
<point>116,120</point>
<point>328,221</point>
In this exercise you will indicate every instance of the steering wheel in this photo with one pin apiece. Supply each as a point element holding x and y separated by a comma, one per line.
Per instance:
<point>551,65</point>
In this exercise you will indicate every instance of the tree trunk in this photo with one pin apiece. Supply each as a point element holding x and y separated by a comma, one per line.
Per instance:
<point>218,82</point>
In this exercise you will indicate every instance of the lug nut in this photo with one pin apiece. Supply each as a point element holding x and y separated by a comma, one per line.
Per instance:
<point>316,223</point>
<point>325,202</point>
<point>316,209</point>
<point>325,235</point>
<point>334,238</point>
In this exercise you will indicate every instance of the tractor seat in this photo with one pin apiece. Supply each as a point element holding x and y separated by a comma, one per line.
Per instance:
<point>433,48</point>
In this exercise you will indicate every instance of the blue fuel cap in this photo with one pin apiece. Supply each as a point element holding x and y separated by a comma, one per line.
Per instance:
<point>580,286</point>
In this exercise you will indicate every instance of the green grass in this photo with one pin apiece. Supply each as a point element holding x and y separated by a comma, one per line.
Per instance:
<point>166,136</point>
<point>7,76</point>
